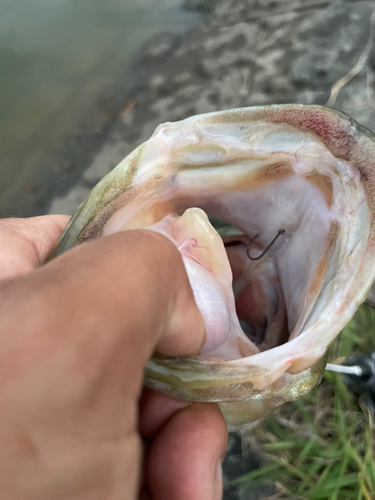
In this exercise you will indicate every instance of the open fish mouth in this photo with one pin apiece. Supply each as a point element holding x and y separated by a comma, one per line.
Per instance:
<point>222,187</point>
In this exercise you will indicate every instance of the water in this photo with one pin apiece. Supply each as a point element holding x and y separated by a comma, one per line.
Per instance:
<point>56,57</point>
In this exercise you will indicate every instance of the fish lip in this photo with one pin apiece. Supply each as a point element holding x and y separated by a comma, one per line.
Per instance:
<point>219,388</point>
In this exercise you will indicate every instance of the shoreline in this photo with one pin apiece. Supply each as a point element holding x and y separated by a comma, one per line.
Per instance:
<point>239,53</point>
<point>242,53</point>
<point>50,161</point>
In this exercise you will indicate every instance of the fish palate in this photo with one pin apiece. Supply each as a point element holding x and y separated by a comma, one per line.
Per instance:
<point>213,183</point>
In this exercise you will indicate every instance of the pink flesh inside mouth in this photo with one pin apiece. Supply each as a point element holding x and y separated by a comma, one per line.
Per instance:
<point>244,302</point>
<point>287,299</point>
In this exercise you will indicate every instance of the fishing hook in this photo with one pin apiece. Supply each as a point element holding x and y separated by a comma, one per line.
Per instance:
<point>281,231</point>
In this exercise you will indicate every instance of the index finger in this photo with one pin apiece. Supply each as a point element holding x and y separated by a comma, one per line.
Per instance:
<point>26,243</point>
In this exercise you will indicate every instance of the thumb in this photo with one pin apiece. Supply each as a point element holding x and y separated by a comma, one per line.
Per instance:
<point>75,337</point>
<point>129,289</point>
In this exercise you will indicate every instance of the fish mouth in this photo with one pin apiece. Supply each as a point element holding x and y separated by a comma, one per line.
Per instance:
<point>305,170</point>
<point>254,183</point>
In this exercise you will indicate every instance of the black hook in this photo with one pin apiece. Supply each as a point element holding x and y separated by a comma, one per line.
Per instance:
<point>281,231</point>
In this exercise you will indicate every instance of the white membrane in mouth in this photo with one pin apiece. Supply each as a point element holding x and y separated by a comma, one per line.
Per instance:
<point>261,177</point>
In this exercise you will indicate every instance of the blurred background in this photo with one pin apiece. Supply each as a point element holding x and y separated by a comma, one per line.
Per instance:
<point>66,69</point>
<point>84,82</point>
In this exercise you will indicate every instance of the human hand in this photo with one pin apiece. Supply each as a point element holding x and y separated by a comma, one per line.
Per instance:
<point>75,337</point>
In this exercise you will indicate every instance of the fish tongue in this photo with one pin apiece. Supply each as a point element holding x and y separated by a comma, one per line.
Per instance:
<point>210,277</point>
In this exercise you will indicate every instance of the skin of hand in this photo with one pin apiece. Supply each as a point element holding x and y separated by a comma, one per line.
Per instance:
<point>76,334</point>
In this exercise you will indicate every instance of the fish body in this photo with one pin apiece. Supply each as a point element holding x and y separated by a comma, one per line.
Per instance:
<point>213,182</point>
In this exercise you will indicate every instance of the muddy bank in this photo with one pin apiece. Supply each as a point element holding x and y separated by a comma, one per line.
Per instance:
<point>241,53</point>
<point>245,53</point>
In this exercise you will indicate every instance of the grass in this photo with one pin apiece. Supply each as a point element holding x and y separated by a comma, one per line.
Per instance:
<point>322,447</point>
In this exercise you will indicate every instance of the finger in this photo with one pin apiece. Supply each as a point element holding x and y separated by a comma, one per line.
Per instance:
<point>186,456</point>
<point>74,338</point>
<point>155,410</point>
<point>120,297</point>
<point>26,243</point>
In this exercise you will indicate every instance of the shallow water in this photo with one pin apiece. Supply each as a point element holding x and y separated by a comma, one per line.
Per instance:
<point>56,57</point>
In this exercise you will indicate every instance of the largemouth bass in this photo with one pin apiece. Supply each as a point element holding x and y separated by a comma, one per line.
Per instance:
<point>223,186</point>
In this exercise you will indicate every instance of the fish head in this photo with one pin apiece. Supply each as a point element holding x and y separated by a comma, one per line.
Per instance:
<point>223,186</point>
